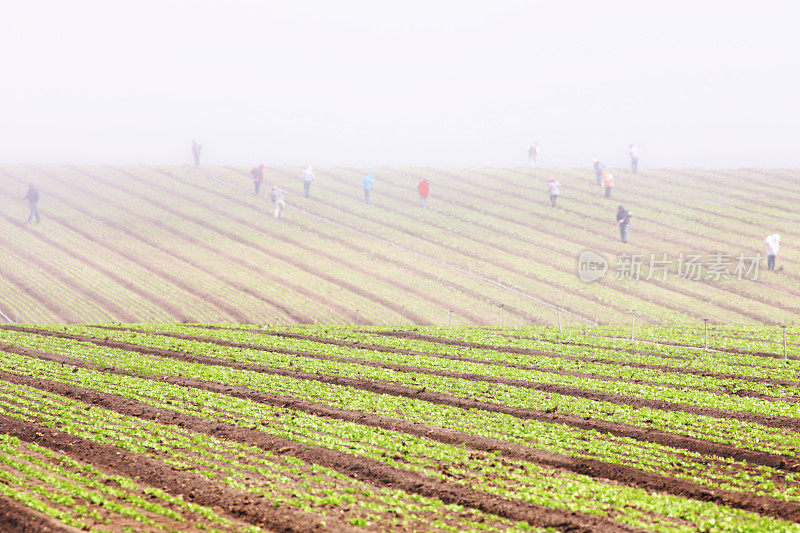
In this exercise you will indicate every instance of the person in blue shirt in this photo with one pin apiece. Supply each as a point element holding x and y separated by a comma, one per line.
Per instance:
<point>33,200</point>
<point>367,183</point>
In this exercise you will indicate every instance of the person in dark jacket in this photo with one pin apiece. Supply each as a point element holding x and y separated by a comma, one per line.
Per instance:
<point>599,168</point>
<point>258,177</point>
<point>33,200</point>
<point>623,221</point>
<point>424,188</point>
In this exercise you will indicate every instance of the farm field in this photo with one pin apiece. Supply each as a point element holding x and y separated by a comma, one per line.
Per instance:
<point>182,244</point>
<point>224,427</point>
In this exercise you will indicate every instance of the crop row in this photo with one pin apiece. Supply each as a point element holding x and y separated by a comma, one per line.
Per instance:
<point>552,437</point>
<point>498,376</point>
<point>520,480</point>
<point>82,496</point>
<point>533,404</point>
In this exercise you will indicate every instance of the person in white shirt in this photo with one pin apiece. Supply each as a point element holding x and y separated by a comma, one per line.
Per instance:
<point>634,152</point>
<point>552,188</point>
<point>533,153</point>
<point>772,244</point>
<point>308,177</point>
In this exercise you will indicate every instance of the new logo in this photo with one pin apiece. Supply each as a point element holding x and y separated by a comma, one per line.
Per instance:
<point>591,266</point>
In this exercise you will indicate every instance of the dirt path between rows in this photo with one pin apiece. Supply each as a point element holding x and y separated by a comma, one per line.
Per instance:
<point>16,517</point>
<point>528,351</point>
<point>365,469</point>
<point>219,303</point>
<point>174,311</point>
<point>483,243</point>
<point>672,440</point>
<point>64,278</point>
<point>397,284</point>
<point>594,245</point>
<point>194,487</point>
<point>36,295</point>
<point>768,355</point>
<point>653,237</point>
<point>590,467</point>
<point>463,312</point>
<point>233,311</point>
<point>589,394</point>
<point>520,366</point>
<point>294,261</point>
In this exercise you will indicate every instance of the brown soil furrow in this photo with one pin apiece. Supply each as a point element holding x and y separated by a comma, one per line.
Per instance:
<point>748,217</point>
<point>150,243</point>
<point>768,355</point>
<point>305,266</point>
<point>594,245</point>
<point>421,237</point>
<point>159,302</point>
<point>365,469</point>
<point>652,237</point>
<point>593,468</point>
<point>194,487</point>
<point>589,394</point>
<point>51,269</point>
<point>462,312</point>
<point>16,517</point>
<point>36,295</point>
<point>233,282</point>
<point>717,285</point>
<point>231,310</point>
<point>536,244</point>
<point>661,368</point>
<point>486,245</point>
<point>775,177</point>
<point>744,337</point>
<point>613,428</point>
<point>528,351</point>
<point>338,259</point>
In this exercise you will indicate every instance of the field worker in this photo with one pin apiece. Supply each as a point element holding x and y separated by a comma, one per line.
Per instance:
<point>552,188</point>
<point>608,182</point>
<point>278,197</point>
<point>368,182</point>
<point>258,177</point>
<point>772,242</point>
<point>634,152</point>
<point>33,200</point>
<point>623,221</point>
<point>424,188</point>
<point>196,149</point>
<point>308,177</point>
<point>533,153</point>
<point>599,167</point>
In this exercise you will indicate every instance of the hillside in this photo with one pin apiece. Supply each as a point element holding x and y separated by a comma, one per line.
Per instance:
<point>169,244</point>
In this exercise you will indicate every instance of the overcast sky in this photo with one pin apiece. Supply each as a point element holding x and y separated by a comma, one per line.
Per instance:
<point>428,82</point>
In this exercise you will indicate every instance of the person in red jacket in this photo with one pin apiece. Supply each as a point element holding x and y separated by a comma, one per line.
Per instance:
<point>258,177</point>
<point>424,189</point>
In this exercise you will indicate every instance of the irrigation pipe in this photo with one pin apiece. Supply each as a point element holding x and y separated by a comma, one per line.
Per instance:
<point>423,256</point>
<point>5,317</point>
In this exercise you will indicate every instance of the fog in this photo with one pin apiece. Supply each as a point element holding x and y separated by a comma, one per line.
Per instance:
<point>427,83</point>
